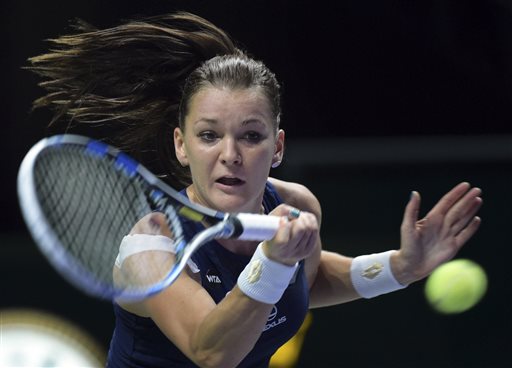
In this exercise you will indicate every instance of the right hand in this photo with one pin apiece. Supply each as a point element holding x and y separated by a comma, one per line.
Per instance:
<point>295,239</point>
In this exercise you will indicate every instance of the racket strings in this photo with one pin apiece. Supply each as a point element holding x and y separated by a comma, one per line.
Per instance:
<point>88,201</point>
<point>91,209</point>
<point>169,208</point>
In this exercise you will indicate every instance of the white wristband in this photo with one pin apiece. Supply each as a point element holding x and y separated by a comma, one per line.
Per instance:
<point>136,243</point>
<point>265,280</point>
<point>371,275</point>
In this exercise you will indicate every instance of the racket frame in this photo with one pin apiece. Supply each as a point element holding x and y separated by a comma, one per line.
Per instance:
<point>219,224</point>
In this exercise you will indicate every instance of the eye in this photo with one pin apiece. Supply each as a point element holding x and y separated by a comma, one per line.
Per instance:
<point>253,136</point>
<point>208,136</point>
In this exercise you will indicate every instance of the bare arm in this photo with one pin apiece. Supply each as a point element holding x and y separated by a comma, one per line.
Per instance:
<point>425,243</point>
<point>210,335</point>
<point>328,273</point>
<point>218,335</point>
<point>332,284</point>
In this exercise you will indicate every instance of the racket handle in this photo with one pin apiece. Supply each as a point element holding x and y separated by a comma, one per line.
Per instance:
<point>249,226</point>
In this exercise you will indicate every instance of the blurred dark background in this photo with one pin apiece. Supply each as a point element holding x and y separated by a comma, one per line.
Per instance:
<point>380,98</point>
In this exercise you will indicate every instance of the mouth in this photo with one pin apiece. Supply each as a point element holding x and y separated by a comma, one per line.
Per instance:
<point>230,181</point>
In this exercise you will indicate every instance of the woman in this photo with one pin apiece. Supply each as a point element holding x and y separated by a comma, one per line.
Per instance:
<point>238,301</point>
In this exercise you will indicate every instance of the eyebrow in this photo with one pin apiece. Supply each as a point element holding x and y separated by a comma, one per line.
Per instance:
<point>206,120</point>
<point>244,123</point>
<point>251,121</point>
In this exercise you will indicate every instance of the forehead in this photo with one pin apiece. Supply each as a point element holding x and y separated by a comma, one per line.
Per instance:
<point>226,101</point>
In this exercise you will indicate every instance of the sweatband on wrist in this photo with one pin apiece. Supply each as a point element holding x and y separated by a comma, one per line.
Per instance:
<point>136,243</point>
<point>265,280</point>
<point>372,276</point>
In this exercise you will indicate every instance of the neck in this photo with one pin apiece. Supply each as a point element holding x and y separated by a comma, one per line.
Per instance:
<point>194,197</point>
<point>241,247</point>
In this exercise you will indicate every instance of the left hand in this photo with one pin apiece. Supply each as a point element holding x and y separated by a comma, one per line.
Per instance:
<point>435,239</point>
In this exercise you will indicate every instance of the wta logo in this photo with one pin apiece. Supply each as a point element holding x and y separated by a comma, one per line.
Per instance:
<point>213,276</point>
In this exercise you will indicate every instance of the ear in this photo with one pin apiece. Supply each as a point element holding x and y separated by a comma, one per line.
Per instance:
<point>179,147</point>
<point>279,149</point>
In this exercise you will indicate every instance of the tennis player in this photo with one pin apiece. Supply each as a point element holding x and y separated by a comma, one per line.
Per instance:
<point>176,93</point>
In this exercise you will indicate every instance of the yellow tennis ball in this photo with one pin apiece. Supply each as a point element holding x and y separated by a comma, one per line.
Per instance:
<point>456,286</point>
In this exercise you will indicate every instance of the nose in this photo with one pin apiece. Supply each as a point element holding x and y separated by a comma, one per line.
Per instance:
<point>230,155</point>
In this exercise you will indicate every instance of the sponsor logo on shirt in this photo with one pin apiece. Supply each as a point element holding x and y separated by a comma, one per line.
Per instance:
<point>273,319</point>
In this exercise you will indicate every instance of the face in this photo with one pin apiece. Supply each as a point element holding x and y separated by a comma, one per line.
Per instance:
<point>229,142</point>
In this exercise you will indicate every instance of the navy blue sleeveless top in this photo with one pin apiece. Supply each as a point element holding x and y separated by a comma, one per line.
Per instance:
<point>138,342</point>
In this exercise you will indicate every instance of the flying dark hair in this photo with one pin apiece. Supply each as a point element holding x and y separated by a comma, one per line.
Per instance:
<point>127,82</point>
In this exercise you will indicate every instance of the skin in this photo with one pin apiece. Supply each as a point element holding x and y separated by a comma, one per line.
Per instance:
<point>231,134</point>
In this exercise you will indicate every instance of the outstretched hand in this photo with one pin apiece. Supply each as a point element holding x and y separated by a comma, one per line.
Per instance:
<point>436,238</point>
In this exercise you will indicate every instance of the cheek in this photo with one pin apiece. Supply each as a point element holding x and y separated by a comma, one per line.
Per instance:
<point>198,162</point>
<point>199,155</point>
<point>201,161</point>
<point>262,159</point>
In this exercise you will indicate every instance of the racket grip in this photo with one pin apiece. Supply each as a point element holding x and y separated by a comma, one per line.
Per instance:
<point>249,226</point>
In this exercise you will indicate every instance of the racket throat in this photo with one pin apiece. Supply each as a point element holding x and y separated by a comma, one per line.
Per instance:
<point>233,225</point>
<point>220,230</point>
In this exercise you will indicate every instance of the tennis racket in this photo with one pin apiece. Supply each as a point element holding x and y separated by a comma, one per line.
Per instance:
<point>80,198</point>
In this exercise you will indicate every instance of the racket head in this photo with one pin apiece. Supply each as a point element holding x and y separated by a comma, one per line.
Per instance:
<point>80,197</point>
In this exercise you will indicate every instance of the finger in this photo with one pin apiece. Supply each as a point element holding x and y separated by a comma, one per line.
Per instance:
<point>465,203</point>
<point>449,199</point>
<point>312,237</point>
<point>460,217</point>
<point>303,246</point>
<point>307,244</point>
<point>273,247</point>
<point>294,214</point>
<point>287,211</point>
<point>302,227</point>
<point>411,212</point>
<point>311,244</point>
<point>284,232</point>
<point>468,231</point>
<point>297,232</point>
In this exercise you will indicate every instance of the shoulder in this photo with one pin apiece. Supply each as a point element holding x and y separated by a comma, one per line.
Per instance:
<point>297,195</point>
